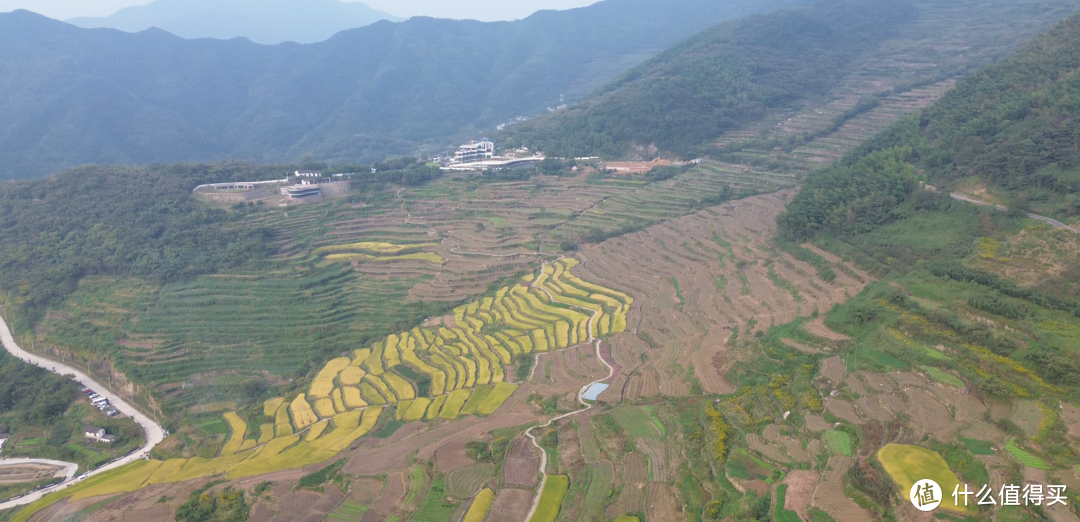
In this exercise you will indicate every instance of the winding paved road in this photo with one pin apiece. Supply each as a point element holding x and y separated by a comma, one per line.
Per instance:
<point>154,432</point>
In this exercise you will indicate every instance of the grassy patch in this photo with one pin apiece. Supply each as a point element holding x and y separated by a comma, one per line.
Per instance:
<point>436,507</point>
<point>977,447</point>
<point>885,359</point>
<point>348,512</point>
<point>745,466</point>
<point>318,478</point>
<point>551,499</point>
<point>390,429</point>
<point>942,376</point>
<point>818,515</point>
<point>1024,457</point>
<point>839,442</point>
<point>640,422</point>
<point>908,464</point>
<point>596,493</point>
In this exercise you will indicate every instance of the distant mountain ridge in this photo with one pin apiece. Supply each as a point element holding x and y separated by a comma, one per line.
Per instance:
<point>70,96</point>
<point>261,21</point>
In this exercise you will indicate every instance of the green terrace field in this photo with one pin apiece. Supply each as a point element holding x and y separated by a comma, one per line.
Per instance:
<point>352,270</point>
<point>705,185</point>
<point>279,323</point>
<point>552,310</point>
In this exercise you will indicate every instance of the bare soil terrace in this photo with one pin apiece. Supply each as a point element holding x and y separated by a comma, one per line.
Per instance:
<point>695,280</point>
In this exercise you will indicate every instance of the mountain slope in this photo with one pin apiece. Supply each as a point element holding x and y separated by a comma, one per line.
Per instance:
<point>772,66</point>
<point>261,21</point>
<point>1011,131</point>
<point>70,96</point>
<point>719,79</point>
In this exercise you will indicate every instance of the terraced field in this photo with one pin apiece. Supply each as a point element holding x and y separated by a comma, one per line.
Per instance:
<point>351,282</point>
<point>452,362</point>
<point>671,343</point>
<point>470,356</point>
<point>908,71</point>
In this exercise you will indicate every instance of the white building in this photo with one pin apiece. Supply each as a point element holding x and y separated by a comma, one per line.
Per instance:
<point>96,434</point>
<point>475,151</point>
<point>307,174</point>
<point>301,191</point>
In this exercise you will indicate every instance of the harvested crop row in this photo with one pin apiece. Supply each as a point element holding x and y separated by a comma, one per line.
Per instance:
<point>324,381</point>
<point>351,375</point>
<point>496,398</point>
<point>454,402</point>
<point>239,430</point>
<point>302,414</point>
<point>282,426</point>
<point>325,407</point>
<point>481,505</point>
<point>416,410</point>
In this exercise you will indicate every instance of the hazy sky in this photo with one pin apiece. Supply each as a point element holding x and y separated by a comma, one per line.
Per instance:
<point>475,9</point>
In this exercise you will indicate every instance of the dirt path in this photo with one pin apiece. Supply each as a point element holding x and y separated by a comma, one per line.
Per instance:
<point>528,433</point>
<point>1054,223</point>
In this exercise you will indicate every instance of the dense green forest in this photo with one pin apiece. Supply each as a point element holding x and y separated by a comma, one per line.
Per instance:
<point>124,221</point>
<point>363,95</point>
<point>1014,128</point>
<point>718,80</point>
<point>31,395</point>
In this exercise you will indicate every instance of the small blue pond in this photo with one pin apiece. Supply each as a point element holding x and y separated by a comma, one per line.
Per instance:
<point>594,391</point>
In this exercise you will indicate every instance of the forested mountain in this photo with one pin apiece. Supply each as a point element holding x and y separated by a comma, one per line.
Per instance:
<point>138,222</point>
<point>1013,129</point>
<point>70,96</point>
<point>719,79</point>
<point>261,21</point>
<point>734,76</point>
<point>994,281</point>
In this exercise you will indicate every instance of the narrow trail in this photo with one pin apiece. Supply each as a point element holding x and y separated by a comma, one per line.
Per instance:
<point>528,432</point>
<point>153,431</point>
<point>1054,223</point>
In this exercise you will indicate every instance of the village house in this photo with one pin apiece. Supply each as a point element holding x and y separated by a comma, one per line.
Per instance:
<point>96,434</point>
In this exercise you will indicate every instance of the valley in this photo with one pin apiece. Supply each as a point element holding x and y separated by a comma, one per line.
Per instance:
<point>795,326</point>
